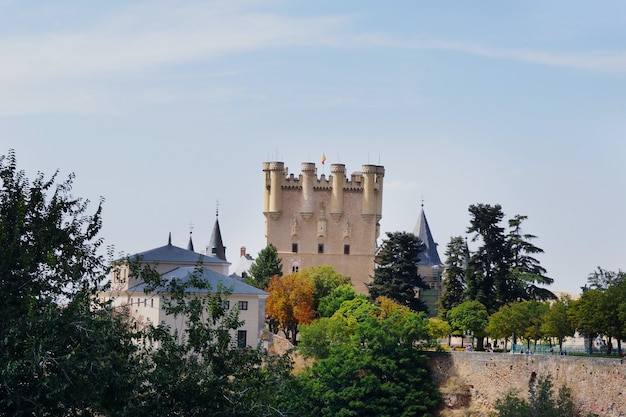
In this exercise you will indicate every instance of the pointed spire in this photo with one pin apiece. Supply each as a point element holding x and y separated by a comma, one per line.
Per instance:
<point>169,240</point>
<point>190,244</point>
<point>216,246</point>
<point>430,256</point>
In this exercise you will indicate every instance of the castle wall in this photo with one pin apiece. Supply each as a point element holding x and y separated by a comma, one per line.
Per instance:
<point>336,212</point>
<point>473,381</point>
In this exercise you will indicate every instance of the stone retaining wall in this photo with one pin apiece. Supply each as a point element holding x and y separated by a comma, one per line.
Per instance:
<point>472,381</point>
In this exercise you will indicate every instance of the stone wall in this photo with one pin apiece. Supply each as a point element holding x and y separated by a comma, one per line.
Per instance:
<point>472,381</point>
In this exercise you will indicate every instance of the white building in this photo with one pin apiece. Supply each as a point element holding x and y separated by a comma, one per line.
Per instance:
<point>173,262</point>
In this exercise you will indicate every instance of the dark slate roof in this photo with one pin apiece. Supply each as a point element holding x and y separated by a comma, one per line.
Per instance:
<point>422,230</point>
<point>214,279</point>
<point>216,246</point>
<point>190,244</point>
<point>171,253</point>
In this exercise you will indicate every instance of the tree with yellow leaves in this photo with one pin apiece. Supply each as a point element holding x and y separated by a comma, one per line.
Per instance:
<point>291,302</point>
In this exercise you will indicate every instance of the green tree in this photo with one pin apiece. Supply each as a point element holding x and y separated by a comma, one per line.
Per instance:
<point>457,256</point>
<point>588,315</point>
<point>60,354</point>
<point>527,272</point>
<point>557,321</point>
<point>541,401</point>
<point>503,269</point>
<point>471,318</point>
<point>317,337</point>
<point>396,274</point>
<point>203,370</point>
<point>325,280</point>
<point>266,266</point>
<point>376,372</point>
<point>612,286</point>
<point>332,302</point>
<point>506,323</point>
<point>488,267</point>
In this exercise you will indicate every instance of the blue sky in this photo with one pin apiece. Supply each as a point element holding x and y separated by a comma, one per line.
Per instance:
<point>163,108</point>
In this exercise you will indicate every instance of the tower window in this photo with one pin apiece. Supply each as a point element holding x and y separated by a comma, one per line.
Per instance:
<point>243,305</point>
<point>346,249</point>
<point>320,248</point>
<point>295,268</point>
<point>294,247</point>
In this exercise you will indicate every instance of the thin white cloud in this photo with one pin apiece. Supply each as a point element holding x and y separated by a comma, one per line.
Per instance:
<point>132,42</point>
<point>597,60</point>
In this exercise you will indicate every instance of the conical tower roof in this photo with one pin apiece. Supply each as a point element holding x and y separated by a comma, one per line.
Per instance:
<point>430,256</point>
<point>216,246</point>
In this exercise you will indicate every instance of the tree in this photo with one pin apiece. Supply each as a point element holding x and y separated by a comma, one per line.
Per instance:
<point>59,356</point>
<point>471,318</point>
<point>526,271</point>
<point>541,401</point>
<point>290,302</point>
<point>454,275</point>
<point>265,267</point>
<point>488,267</point>
<point>506,323</point>
<point>396,274</point>
<point>203,370</point>
<point>376,372</point>
<point>325,280</point>
<point>503,269</point>
<point>332,302</point>
<point>557,322</point>
<point>612,286</point>
<point>588,315</point>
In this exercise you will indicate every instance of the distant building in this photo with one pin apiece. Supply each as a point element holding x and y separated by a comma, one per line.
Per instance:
<point>313,220</point>
<point>242,269</point>
<point>173,262</point>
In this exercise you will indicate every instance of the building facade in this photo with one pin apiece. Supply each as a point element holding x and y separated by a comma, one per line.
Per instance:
<point>313,220</point>
<point>173,262</point>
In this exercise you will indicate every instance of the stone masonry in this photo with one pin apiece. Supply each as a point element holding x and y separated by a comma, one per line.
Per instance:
<point>472,381</point>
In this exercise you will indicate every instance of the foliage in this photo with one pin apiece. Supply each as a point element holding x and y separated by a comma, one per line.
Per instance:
<point>330,304</point>
<point>503,270</point>
<point>396,274</point>
<point>557,322</point>
<point>317,337</point>
<point>376,372</point>
<point>56,351</point>
<point>457,256</point>
<point>325,280</point>
<point>541,401</point>
<point>291,302</point>
<point>471,318</point>
<point>64,352</point>
<point>267,265</point>
<point>438,328</point>
<point>203,371</point>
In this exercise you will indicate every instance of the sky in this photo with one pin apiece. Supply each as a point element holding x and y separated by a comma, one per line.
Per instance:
<point>168,109</point>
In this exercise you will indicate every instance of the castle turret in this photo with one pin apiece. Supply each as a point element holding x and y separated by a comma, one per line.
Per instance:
<point>338,182</point>
<point>274,174</point>
<point>309,177</point>
<point>318,221</point>
<point>372,190</point>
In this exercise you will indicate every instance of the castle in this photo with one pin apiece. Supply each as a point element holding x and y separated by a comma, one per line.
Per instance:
<point>332,221</point>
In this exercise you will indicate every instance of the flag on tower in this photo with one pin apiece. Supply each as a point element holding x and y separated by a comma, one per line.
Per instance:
<point>323,158</point>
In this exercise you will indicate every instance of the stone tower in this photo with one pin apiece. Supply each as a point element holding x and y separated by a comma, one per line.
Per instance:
<point>324,221</point>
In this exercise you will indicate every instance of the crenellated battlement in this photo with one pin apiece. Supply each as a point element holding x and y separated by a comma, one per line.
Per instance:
<point>324,219</point>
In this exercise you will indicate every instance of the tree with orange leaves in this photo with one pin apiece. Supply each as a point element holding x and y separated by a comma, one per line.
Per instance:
<point>290,302</point>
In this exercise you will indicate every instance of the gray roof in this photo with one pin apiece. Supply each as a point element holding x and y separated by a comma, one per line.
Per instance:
<point>422,230</point>
<point>216,246</point>
<point>214,278</point>
<point>174,254</point>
